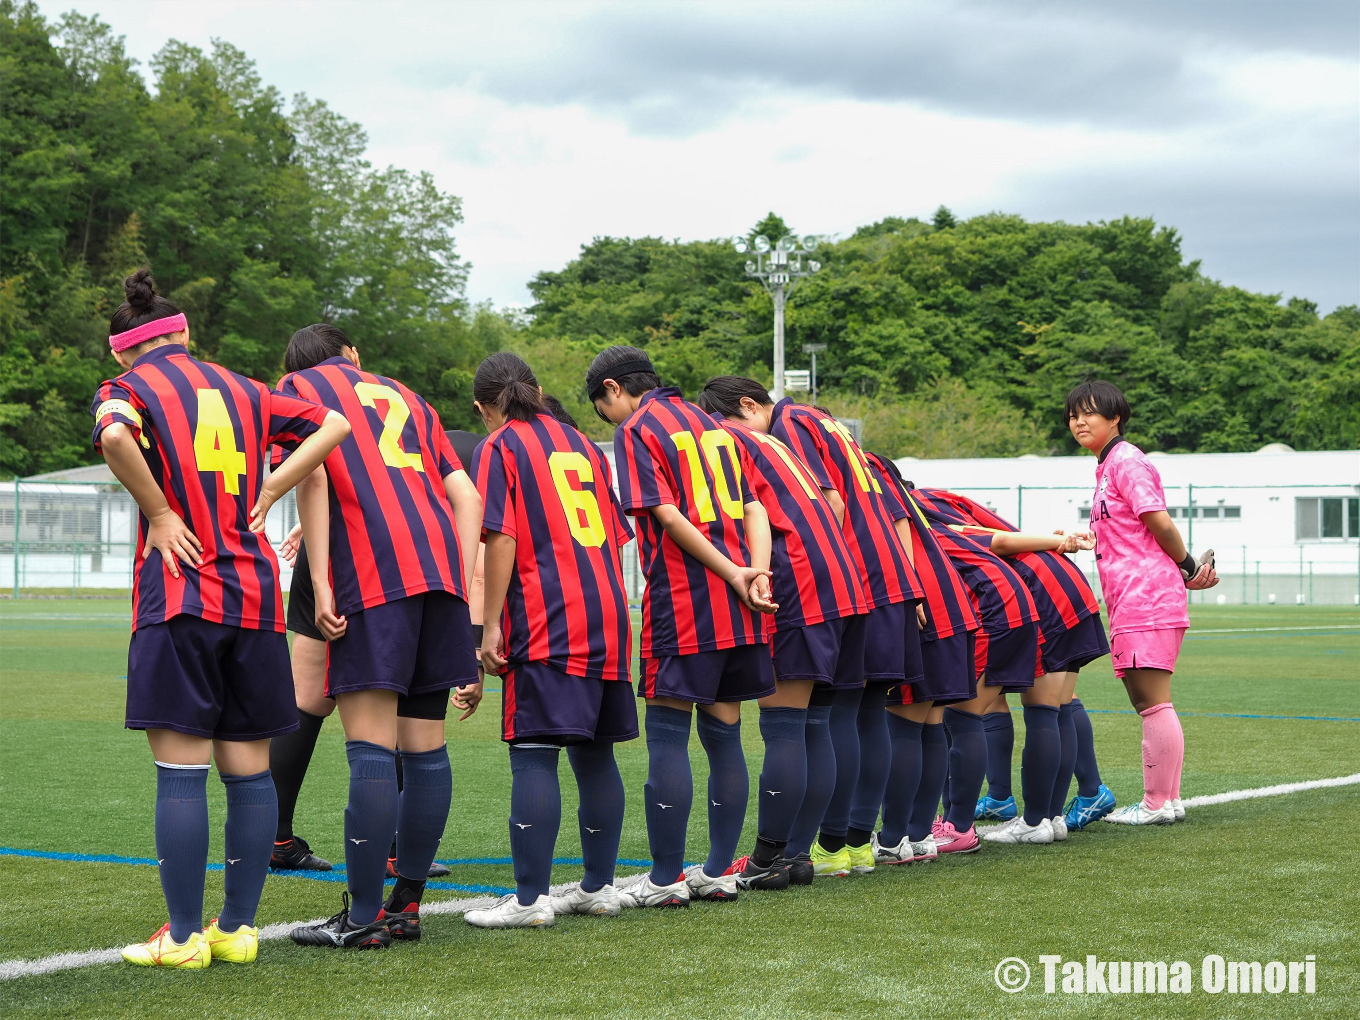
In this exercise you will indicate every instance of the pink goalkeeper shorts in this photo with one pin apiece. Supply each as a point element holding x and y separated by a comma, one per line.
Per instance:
<point>1146,649</point>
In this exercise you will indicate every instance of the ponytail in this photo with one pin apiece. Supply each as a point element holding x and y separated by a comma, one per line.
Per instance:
<point>504,381</point>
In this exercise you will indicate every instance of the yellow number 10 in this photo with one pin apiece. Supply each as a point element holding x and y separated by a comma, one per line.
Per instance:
<point>389,443</point>
<point>713,443</point>
<point>583,509</point>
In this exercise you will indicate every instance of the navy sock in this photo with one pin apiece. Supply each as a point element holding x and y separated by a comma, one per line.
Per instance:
<point>944,790</point>
<point>905,778</point>
<point>600,814</point>
<point>1039,760</point>
<point>1000,730</point>
<point>783,777</point>
<point>182,843</point>
<point>967,765</point>
<point>1067,759</point>
<point>289,756</point>
<point>821,780</point>
<point>1086,769</point>
<point>669,790</point>
<point>535,817</point>
<point>729,788</point>
<point>845,740</point>
<point>875,762</point>
<point>423,809</point>
<point>370,822</point>
<point>934,766</point>
<point>252,817</point>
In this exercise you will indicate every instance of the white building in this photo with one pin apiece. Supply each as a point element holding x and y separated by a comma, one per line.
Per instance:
<point>1281,523</point>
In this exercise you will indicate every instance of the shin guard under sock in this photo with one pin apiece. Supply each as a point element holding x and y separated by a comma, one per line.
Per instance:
<point>1067,759</point>
<point>1039,761</point>
<point>1086,770</point>
<point>875,762</point>
<point>783,776</point>
<point>252,818</point>
<point>934,766</point>
<point>821,779</point>
<point>729,788</point>
<point>600,814</point>
<point>370,822</point>
<point>1163,752</point>
<point>669,790</point>
<point>967,766</point>
<point>289,756</point>
<point>903,781</point>
<point>535,817</point>
<point>1000,731</point>
<point>182,843</point>
<point>423,809</point>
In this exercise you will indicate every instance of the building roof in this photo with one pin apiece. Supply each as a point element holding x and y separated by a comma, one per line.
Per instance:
<point>89,474</point>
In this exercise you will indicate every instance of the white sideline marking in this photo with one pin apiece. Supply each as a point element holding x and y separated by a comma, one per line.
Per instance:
<point>1269,791</point>
<point>1262,630</point>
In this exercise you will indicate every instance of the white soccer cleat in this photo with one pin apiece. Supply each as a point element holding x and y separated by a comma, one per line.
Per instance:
<point>1138,813</point>
<point>510,913</point>
<point>641,891</point>
<point>705,887</point>
<point>1017,831</point>
<point>1178,809</point>
<point>905,852</point>
<point>603,902</point>
<point>1059,824</point>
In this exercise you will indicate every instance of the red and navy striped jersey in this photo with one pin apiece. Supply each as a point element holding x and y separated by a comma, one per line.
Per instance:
<point>549,488</point>
<point>836,462</point>
<point>1061,592</point>
<point>205,434</point>
<point>949,605</point>
<point>392,530</point>
<point>814,576</point>
<point>669,452</point>
<point>1002,598</point>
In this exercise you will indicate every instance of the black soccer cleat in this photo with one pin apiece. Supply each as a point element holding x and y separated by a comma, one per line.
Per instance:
<point>403,925</point>
<point>437,870</point>
<point>800,868</point>
<point>338,933</point>
<point>295,855</point>
<point>770,878</point>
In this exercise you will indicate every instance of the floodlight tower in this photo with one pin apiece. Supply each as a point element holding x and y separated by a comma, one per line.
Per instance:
<point>779,267</point>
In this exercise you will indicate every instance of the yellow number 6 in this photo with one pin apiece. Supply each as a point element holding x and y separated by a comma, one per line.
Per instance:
<point>581,506</point>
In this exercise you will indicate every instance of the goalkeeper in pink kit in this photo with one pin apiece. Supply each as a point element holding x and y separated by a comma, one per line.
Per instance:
<point>1145,571</point>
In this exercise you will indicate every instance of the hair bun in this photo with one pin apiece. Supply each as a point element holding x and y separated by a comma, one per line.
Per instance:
<point>141,291</point>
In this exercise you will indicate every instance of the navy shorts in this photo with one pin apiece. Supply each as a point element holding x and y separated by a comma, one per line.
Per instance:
<point>947,676</point>
<point>1072,649</point>
<point>301,616</point>
<point>1007,659</point>
<point>210,680</point>
<point>544,705</point>
<point>413,645</point>
<point>830,652</point>
<point>887,652</point>
<point>743,673</point>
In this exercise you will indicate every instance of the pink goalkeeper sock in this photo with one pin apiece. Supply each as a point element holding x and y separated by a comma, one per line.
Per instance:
<point>1163,754</point>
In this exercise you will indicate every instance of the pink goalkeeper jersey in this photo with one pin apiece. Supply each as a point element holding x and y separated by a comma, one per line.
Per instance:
<point>1142,585</point>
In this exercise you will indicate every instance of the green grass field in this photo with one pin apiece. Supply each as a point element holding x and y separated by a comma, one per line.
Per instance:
<point>1268,879</point>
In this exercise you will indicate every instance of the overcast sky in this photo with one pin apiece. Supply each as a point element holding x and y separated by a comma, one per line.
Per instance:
<point>1238,123</point>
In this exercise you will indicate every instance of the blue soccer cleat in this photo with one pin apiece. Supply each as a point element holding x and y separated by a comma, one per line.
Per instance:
<point>1082,811</point>
<point>1000,810</point>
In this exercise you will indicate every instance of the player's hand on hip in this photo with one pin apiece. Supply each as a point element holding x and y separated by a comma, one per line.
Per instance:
<point>492,659</point>
<point>261,509</point>
<point>466,699</point>
<point>1205,577</point>
<point>170,536</point>
<point>292,542</point>
<point>331,624</point>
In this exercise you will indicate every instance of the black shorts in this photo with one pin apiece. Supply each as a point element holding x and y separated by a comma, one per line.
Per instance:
<point>301,616</point>
<point>830,652</point>
<point>1072,649</point>
<point>948,675</point>
<point>540,704</point>
<point>743,673</point>
<point>411,645</point>
<point>885,635</point>
<point>210,680</point>
<point>1007,659</point>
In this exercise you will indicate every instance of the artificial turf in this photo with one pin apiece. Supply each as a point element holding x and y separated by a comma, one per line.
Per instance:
<point>1257,880</point>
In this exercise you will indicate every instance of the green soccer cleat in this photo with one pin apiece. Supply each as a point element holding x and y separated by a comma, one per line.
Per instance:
<point>824,862</point>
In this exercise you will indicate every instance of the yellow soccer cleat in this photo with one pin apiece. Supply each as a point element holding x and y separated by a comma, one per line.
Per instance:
<point>824,862</point>
<point>861,858</point>
<point>239,946</point>
<point>162,951</point>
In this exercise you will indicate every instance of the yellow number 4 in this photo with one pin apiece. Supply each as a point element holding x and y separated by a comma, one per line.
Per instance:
<point>389,443</point>
<point>215,441</point>
<point>581,506</point>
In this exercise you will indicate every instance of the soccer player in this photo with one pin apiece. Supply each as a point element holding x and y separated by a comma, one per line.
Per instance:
<point>822,612</point>
<point>1145,571</point>
<point>915,720</point>
<point>391,527</point>
<point>208,662</point>
<point>557,628</point>
<point>705,550</point>
<point>1071,636</point>
<point>858,724</point>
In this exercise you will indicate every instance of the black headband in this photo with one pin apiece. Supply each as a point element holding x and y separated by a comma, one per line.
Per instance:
<point>596,377</point>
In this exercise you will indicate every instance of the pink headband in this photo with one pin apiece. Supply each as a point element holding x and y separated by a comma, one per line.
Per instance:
<point>148,331</point>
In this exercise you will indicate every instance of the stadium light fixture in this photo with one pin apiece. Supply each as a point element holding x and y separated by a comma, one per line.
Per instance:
<point>779,272</point>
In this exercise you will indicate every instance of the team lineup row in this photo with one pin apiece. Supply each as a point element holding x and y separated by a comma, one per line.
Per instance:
<point>878,626</point>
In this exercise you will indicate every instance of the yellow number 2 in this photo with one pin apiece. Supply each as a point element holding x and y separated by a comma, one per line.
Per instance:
<point>215,441</point>
<point>581,506</point>
<point>389,443</point>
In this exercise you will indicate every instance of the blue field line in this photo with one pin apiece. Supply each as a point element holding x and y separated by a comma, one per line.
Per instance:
<point>1234,715</point>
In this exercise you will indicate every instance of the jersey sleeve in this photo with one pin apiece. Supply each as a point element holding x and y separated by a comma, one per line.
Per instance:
<point>496,483</point>
<point>1140,485</point>
<point>291,419</point>
<point>892,492</point>
<point>810,447</point>
<point>115,402</point>
<point>642,476</point>
<point>445,453</point>
<point>748,470</point>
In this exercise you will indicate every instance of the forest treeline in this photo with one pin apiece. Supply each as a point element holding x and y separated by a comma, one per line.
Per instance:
<point>259,215</point>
